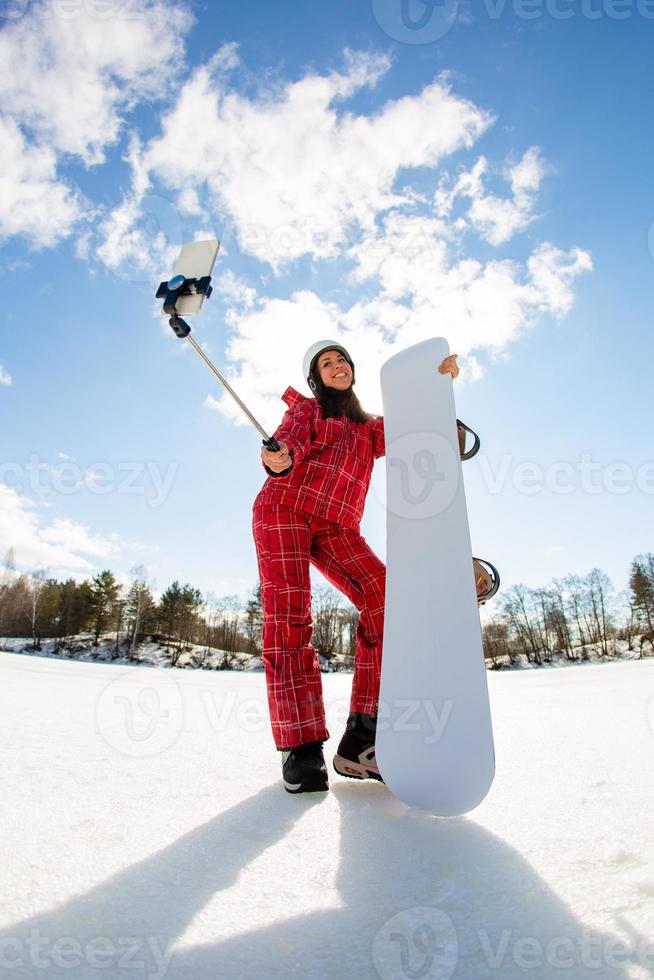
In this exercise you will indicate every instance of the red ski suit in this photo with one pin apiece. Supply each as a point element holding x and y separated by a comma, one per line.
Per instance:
<point>311,513</point>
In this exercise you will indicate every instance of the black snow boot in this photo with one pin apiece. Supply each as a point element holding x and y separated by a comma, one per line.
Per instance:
<point>356,750</point>
<point>304,769</point>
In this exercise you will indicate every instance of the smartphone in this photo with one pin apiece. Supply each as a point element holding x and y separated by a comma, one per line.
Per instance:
<point>196,259</point>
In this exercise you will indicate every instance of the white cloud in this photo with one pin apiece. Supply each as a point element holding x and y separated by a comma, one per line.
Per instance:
<point>60,545</point>
<point>496,219</point>
<point>476,306</point>
<point>298,175</point>
<point>5,377</point>
<point>68,75</point>
<point>69,79</point>
<point>293,172</point>
<point>552,273</point>
<point>423,294</point>
<point>266,349</point>
<point>236,289</point>
<point>63,531</point>
<point>33,201</point>
<point>142,236</point>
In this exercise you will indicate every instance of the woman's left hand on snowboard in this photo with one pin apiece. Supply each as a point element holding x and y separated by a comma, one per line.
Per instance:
<point>449,366</point>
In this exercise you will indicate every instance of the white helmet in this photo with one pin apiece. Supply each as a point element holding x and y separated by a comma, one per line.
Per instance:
<point>314,353</point>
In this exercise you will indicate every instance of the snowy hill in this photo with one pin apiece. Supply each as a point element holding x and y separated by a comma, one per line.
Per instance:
<point>145,833</point>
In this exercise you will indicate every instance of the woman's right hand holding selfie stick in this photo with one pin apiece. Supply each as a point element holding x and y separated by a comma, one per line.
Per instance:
<point>277,461</point>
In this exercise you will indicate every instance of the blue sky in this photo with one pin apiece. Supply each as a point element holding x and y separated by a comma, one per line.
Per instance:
<point>487,181</point>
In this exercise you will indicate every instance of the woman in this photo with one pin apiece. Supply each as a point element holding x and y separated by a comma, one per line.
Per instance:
<point>309,511</point>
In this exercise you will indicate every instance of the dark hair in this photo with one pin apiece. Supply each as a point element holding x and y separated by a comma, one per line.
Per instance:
<point>335,404</point>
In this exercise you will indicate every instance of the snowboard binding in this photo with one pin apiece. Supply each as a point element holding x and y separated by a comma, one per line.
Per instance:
<point>487,577</point>
<point>462,429</point>
<point>487,580</point>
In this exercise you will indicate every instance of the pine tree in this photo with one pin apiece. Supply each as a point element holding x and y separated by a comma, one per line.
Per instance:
<point>105,592</point>
<point>170,610</point>
<point>253,621</point>
<point>641,583</point>
<point>47,614</point>
<point>178,612</point>
<point>74,612</point>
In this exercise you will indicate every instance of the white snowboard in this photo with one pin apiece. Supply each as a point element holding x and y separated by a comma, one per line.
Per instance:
<point>434,742</point>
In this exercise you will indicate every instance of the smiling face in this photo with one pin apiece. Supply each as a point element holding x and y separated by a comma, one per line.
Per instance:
<point>334,370</point>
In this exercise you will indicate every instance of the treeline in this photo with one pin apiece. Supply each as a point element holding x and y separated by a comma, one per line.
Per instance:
<point>569,619</point>
<point>41,608</point>
<point>572,617</point>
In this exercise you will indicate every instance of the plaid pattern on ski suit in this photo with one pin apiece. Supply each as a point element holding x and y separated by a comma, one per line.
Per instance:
<point>331,462</point>
<point>311,513</point>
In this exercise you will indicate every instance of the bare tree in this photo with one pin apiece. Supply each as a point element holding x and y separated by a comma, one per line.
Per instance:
<point>326,607</point>
<point>517,608</point>
<point>600,600</point>
<point>140,607</point>
<point>254,620</point>
<point>558,619</point>
<point>496,638</point>
<point>645,638</point>
<point>36,586</point>
<point>118,617</point>
<point>575,592</point>
<point>541,601</point>
<point>228,609</point>
<point>348,622</point>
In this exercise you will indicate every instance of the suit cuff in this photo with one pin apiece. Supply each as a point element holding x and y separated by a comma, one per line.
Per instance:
<point>272,473</point>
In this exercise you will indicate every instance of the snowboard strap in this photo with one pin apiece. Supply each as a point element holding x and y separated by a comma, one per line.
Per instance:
<point>461,429</point>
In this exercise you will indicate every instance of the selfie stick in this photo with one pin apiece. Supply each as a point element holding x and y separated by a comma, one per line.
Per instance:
<point>181,286</point>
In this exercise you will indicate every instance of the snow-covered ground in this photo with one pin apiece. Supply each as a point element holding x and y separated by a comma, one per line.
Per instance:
<point>144,832</point>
